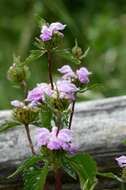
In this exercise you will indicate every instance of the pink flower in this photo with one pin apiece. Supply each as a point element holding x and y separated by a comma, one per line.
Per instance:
<point>66,89</point>
<point>48,31</point>
<point>54,141</point>
<point>38,93</point>
<point>43,136</point>
<point>83,75</point>
<point>121,161</point>
<point>67,71</point>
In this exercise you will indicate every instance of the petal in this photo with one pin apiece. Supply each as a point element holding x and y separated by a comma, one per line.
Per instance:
<point>56,26</point>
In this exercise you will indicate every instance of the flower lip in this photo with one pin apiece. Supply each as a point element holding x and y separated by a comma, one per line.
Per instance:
<point>17,104</point>
<point>38,93</point>
<point>121,161</point>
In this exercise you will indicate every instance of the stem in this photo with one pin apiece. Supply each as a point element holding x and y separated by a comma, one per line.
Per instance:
<point>122,186</point>
<point>46,186</point>
<point>29,139</point>
<point>24,87</point>
<point>72,112</point>
<point>50,68</point>
<point>58,122</point>
<point>58,182</point>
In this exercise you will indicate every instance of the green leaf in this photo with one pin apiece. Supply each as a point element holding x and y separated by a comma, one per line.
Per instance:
<point>67,168</point>
<point>86,169</point>
<point>40,21</point>
<point>27,163</point>
<point>85,53</point>
<point>110,175</point>
<point>8,125</point>
<point>34,179</point>
<point>66,54</point>
<point>34,55</point>
<point>45,117</point>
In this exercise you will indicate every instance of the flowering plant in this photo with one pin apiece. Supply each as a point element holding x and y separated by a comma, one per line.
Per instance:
<point>50,107</point>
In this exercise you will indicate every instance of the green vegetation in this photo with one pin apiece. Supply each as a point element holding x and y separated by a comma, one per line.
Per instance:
<point>98,24</point>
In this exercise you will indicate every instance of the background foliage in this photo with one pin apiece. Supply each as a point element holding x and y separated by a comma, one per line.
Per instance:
<point>98,24</point>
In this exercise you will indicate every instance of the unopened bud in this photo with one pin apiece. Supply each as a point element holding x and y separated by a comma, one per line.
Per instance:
<point>77,51</point>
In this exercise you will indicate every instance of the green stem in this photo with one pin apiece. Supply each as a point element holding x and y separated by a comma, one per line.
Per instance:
<point>25,88</point>
<point>58,122</point>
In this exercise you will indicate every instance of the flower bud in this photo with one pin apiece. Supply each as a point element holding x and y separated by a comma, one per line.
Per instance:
<point>77,51</point>
<point>25,115</point>
<point>18,73</point>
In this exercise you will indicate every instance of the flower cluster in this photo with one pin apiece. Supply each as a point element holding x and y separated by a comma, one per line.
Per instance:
<point>48,31</point>
<point>56,140</point>
<point>81,74</point>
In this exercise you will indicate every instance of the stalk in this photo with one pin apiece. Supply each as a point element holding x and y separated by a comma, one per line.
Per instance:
<point>50,68</point>
<point>58,122</point>
<point>58,181</point>
<point>29,139</point>
<point>72,113</point>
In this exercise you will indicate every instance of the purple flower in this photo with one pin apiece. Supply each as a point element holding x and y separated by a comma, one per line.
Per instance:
<point>46,34</point>
<point>17,104</point>
<point>48,31</point>
<point>43,136</point>
<point>54,141</point>
<point>83,75</point>
<point>121,161</point>
<point>67,71</point>
<point>38,93</point>
<point>66,89</point>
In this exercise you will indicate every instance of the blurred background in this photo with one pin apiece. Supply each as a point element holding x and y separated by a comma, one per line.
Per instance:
<point>100,25</point>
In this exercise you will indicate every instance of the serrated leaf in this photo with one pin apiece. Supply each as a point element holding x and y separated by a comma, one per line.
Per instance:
<point>35,179</point>
<point>34,55</point>
<point>28,163</point>
<point>110,175</point>
<point>85,167</point>
<point>66,54</point>
<point>8,125</point>
<point>68,169</point>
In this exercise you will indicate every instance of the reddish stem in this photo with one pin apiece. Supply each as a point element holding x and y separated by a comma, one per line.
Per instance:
<point>58,181</point>
<point>29,139</point>
<point>50,68</point>
<point>46,186</point>
<point>72,113</point>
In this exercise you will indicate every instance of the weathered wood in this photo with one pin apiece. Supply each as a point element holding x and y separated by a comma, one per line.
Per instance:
<point>99,127</point>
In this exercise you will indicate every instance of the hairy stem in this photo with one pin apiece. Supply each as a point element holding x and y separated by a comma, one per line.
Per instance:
<point>58,181</point>
<point>25,88</point>
<point>72,113</point>
<point>50,68</point>
<point>29,139</point>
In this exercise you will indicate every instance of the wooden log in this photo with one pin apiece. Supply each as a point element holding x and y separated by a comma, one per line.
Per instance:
<point>99,127</point>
